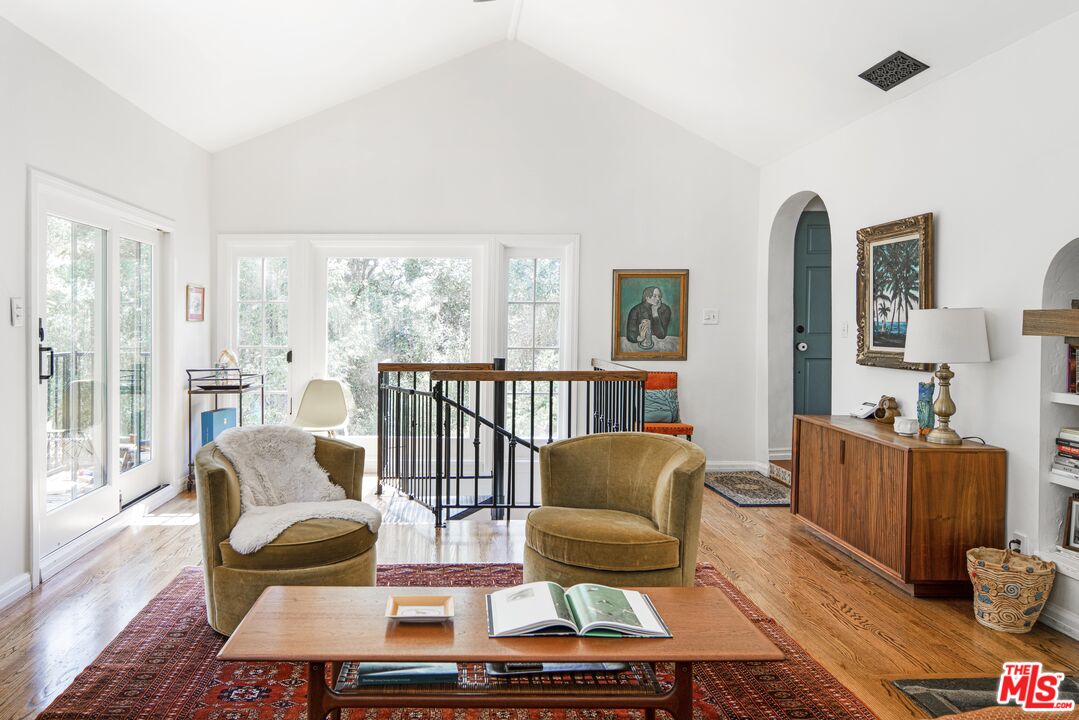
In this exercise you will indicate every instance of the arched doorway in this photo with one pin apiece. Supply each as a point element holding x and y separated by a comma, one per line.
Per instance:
<point>1058,408</point>
<point>799,260</point>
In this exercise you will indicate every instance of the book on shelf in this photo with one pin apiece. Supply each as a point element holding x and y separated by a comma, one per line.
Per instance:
<point>1069,433</point>
<point>509,669</point>
<point>546,608</point>
<point>356,675</point>
<point>1067,450</point>
<point>1072,368</point>
<point>1065,471</point>
<point>1067,460</point>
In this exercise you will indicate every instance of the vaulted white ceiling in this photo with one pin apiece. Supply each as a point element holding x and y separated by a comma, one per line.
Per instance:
<point>758,77</point>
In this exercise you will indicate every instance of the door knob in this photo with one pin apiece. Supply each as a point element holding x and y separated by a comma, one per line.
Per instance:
<point>802,347</point>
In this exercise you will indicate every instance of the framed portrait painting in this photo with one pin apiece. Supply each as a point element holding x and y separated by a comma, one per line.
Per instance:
<point>196,303</point>
<point>649,314</point>
<point>895,276</point>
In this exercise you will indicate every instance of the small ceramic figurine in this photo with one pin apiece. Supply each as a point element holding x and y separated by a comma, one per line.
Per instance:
<point>887,410</point>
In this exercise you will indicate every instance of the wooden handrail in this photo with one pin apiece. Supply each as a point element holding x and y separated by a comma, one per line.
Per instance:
<point>431,367</point>
<point>538,375</point>
<point>598,364</point>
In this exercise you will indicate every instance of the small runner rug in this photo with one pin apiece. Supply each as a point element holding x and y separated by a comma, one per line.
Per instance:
<point>162,666</point>
<point>749,489</point>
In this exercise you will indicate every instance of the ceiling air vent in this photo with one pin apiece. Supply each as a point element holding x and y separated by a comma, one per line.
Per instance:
<point>893,70</point>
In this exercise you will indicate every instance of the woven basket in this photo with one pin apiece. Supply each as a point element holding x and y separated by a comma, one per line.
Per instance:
<point>1010,589</point>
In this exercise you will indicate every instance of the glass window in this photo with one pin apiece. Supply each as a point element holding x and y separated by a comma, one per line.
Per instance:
<point>74,327</point>
<point>533,340</point>
<point>262,332</point>
<point>393,309</point>
<point>136,352</point>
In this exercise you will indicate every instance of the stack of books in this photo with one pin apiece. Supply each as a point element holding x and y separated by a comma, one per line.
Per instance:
<point>1066,462</point>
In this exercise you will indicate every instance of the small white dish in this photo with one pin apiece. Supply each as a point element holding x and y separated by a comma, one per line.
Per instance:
<point>906,426</point>
<point>419,608</point>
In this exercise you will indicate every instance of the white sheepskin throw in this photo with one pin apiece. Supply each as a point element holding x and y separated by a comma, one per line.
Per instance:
<point>281,483</point>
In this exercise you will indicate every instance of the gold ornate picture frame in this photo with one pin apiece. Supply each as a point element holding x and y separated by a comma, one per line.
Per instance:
<point>649,314</point>
<point>895,275</point>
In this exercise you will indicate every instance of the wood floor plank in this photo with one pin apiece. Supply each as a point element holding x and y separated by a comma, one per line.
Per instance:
<point>861,628</point>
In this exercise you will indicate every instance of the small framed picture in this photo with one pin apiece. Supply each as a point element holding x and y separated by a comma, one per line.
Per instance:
<point>196,303</point>
<point>1071,524</point>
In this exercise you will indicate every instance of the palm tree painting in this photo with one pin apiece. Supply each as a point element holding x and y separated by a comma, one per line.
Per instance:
<point>895,277</point>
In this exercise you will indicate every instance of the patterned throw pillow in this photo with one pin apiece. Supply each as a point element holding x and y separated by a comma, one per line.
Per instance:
<point>661,405</point>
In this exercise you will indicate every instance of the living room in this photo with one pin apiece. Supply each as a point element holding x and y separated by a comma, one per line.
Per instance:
<point>497,229</point>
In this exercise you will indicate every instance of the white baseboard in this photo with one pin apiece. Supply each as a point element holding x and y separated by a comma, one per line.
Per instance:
<point>779,453</point>
<point>736,466</point>
<point>14,589</point>
<point>1062,619</point>
<point>62,557</point>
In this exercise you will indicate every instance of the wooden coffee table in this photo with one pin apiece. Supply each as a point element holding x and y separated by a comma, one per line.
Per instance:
<point>319,625</point>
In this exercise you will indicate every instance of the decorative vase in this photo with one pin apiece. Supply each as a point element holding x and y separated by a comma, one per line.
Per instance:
<point>926,418</point>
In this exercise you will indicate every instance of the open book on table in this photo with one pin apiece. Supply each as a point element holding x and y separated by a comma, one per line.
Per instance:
<point>545,608</point>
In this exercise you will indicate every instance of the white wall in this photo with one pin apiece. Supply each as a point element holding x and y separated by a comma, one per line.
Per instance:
<point>58,119</point>
<point>991,150</point>
<point>505,140</point>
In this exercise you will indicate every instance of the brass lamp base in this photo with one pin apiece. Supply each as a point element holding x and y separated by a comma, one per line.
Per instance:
<point>944,408</point>
<point>944,436</point>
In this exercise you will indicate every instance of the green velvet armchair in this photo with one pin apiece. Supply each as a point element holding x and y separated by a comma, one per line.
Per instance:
<point>618,509</point>
<point>311,552</point>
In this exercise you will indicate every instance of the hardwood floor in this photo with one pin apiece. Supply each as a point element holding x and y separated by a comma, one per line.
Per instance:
<point>858,626</point>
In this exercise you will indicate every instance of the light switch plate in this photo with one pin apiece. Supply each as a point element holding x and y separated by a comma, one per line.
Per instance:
<point>710,316</point>
<point>18,312</point>
<point>844,329</point>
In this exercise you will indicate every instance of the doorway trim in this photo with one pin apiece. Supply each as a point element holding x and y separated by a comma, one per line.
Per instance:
<point>42,187</point>
<point>779,300</point>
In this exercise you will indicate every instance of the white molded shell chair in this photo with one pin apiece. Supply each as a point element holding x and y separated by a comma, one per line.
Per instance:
<point>323,407</point>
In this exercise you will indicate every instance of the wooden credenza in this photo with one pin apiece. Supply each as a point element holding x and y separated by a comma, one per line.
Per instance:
<point>906,508</point>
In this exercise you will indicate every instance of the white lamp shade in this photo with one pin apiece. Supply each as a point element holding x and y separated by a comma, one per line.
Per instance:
<point>947,335</point>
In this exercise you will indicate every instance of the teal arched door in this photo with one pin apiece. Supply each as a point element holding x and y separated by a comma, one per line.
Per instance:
<point>813,315</point>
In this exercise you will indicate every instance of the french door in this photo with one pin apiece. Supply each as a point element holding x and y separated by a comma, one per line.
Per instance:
<point>262,324</point>
<point>96,324</point>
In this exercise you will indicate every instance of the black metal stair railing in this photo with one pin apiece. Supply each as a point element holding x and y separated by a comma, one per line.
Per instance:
<point>466,437</point>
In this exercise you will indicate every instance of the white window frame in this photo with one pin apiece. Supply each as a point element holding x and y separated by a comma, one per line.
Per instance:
<point>226,327</point>
<point>308,254</point>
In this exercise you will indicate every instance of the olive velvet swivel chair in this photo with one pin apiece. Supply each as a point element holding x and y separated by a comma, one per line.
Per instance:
<point>312,552</point>
<point>619,509</point>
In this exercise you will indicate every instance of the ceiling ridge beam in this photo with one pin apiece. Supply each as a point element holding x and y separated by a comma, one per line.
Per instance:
<point>515,20</point>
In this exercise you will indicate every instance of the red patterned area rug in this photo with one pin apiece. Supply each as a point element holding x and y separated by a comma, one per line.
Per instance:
<point>162,666</point>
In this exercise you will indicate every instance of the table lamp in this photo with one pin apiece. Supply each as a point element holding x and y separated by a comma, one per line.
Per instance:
<point>941,337</point>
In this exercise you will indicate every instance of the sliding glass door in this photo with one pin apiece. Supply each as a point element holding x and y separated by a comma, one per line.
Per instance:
<point>94,424</point>
<point>72,332</point>
<point>136,359</point>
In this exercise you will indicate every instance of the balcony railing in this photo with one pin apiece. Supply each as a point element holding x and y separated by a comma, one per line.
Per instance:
<point>466,437</point>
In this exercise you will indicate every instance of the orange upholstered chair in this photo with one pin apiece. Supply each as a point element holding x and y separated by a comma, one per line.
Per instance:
<point>666,381</point>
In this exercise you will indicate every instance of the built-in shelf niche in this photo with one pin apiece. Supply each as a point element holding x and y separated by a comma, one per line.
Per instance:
<point>1057,324</point>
